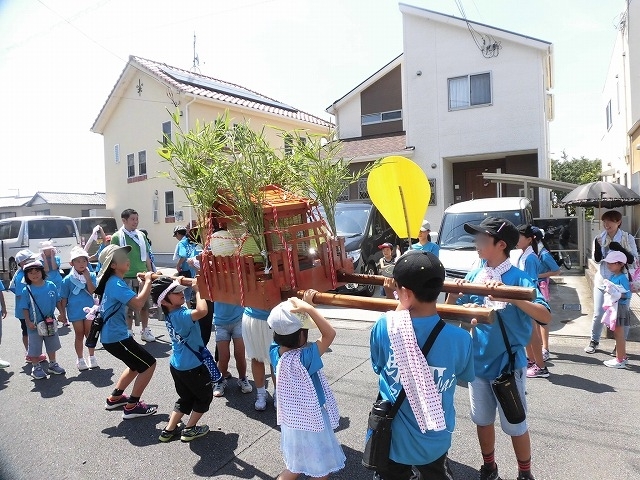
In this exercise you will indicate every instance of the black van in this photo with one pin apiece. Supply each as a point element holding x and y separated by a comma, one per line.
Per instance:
<point>363,228</point>
<point>86,225</point>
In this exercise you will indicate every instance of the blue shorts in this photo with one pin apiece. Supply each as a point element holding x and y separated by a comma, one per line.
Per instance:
<point>224,333</point>
<point>51,344</point>
<point>484,404</point>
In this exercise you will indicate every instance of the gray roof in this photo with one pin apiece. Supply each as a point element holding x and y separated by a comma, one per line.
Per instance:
<point>8,202</point>
<point>59,198</point>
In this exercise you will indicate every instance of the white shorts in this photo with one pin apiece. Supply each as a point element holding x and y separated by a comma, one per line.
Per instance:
<point>257,337</point>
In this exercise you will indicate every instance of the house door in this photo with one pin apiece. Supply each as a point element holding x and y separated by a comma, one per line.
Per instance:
<point>476,186</point>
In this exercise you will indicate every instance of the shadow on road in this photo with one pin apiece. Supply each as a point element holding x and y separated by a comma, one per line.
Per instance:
<point>4,378</point>
<point>140,432</point>
<point>580,383</point>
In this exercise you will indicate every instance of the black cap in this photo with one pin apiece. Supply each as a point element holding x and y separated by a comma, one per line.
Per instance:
<point>418,271</point>
<point>159,285</point>
<point>499,228</point>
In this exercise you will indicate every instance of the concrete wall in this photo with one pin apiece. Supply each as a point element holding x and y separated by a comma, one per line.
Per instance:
<point>347,118</point>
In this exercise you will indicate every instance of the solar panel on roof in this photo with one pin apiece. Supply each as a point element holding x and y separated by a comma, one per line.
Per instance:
<point>210,84</point>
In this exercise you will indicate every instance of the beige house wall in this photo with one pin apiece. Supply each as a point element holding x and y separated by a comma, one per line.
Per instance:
<point>136,125</point>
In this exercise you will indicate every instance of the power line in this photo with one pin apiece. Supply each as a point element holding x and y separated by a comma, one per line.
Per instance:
<point>487,44</point>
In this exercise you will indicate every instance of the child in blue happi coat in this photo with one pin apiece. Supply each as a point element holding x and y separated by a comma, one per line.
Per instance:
<point>76,294</point>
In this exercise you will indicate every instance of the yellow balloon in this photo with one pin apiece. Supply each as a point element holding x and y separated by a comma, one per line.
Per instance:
<point>400,190</point>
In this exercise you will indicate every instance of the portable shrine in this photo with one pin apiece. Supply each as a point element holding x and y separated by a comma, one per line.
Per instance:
<point>300,253</point>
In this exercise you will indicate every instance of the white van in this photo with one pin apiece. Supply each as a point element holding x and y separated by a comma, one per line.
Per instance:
<point>28,232</point>
<point>457,249</point>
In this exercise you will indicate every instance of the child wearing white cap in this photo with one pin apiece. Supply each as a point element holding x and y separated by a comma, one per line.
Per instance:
<point>616,263</point>
<point>76,293</point>
<point>307,410</point>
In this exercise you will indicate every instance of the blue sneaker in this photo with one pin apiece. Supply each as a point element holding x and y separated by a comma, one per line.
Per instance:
<point>56,369</point>
<point>38,373</point>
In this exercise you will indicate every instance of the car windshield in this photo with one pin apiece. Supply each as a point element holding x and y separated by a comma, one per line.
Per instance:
<point>48,229</point>
<point>452,234</point>
<point>108,224</point>
<point>351,219</point>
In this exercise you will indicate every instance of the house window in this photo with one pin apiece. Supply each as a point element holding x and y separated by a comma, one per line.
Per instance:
<point>131,166</point>
<point>288,145</point>
<point>40,213</point>
<point>166,133</point>
<point>362,188</point>
<point>4,215</point>
<point>85,213</point>
<point>469,91</point>
<point>609,117</point>
<point>344,195</point>
<point>169,207</point>
<point>381,117</point>
<point>142,162</point>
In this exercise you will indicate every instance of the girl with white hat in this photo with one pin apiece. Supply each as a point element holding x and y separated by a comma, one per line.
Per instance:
<point>77,293</point>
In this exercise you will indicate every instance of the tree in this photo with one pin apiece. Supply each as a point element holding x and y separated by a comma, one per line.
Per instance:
<point>577,170</point>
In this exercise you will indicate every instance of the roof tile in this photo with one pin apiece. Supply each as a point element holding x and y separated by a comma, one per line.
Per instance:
<point>219,90</point>
<point>374,145</point>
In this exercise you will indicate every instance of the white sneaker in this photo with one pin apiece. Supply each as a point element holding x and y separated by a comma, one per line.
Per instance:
<point>245,386</point>
<point>93,362</point>
<point>131,334</point>
<point>261,401</point>
<point>218,388</point>
<point>5,364</point>
<point>147,336</point>
<point>545,355</point>
<point>614,363</point>
<point>82,365</point>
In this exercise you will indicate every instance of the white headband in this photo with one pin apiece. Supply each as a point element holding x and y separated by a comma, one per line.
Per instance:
<point>167,290</point>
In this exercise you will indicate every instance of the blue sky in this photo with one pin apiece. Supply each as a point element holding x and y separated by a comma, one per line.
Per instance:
<point>59,60</point>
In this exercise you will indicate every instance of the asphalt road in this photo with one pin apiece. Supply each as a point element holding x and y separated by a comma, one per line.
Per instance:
<point>584,419</point>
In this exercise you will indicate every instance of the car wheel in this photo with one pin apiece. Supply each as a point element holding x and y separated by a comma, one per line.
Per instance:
<point>370,289</point>
<point>13,267</point>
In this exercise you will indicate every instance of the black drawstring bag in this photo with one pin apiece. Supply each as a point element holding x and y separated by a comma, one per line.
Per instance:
<point>505,387</point>
<point>378,440</point>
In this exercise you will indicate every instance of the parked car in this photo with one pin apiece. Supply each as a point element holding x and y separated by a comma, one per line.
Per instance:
<point>28,232</point>
<point>86,225</point>
<point>363,228</point>
<point>457,248</point>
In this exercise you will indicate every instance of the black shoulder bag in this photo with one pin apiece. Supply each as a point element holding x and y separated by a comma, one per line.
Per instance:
<point>378,441</point>
<point>96,327</point>
<point>505,388</point>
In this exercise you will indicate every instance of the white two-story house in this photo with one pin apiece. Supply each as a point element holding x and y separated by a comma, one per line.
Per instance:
<point>621,107</point>
<point>135,119</point>
<point>455,110</point>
